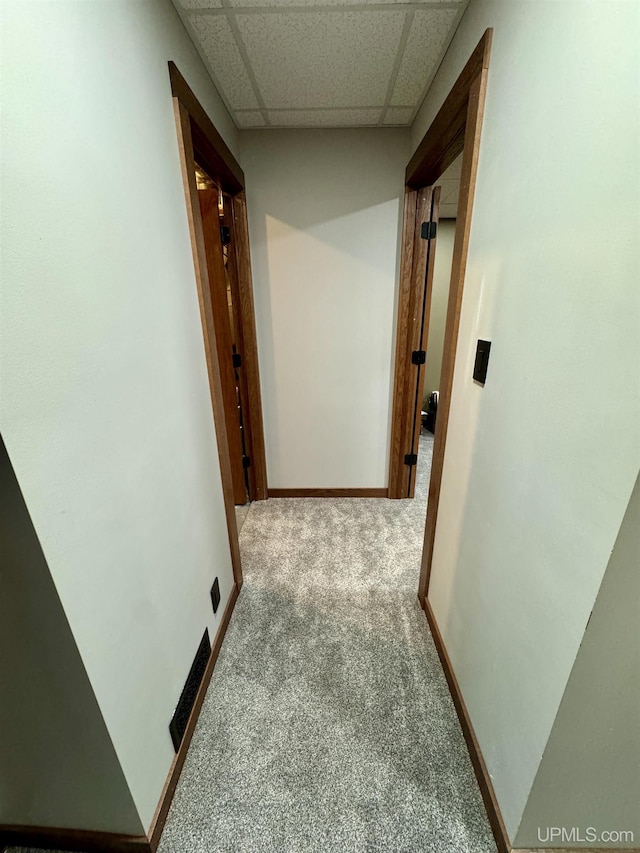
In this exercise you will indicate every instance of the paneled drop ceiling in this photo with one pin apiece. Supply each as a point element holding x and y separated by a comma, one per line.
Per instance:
<point>321,63</point>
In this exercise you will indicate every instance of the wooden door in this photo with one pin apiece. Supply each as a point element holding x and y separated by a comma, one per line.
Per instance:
<point>424,252</point>
<point>211,222</point>
<point>238,335</point>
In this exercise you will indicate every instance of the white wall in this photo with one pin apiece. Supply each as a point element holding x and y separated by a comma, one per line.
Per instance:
<point>324,213</point>
<point>53,735</point>
<point>540,462</point>
<point>105,401</point>
<point>590,772</point>
<point>439,300</point>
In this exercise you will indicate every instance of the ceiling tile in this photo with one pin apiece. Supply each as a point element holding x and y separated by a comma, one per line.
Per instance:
<point>201,4</point>
<point>449,181</point>
<point>249,118</point>
<point>448,186</point>
<point>322,59</point>
<point>221,51</point>
<point>451,197</point>
<point>454,171</point>
<point>324,118</point>
<point>427,38</point>
<point>398,115</point>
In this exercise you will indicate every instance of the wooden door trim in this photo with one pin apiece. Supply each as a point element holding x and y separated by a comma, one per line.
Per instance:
<point>420,317</point>
<point>400,384</point>
<point>187,161</point>
<point>253,424</point>
<point>237,334</point>
<point>445,138</point>
<point>456,129</point>
<point>56,838</point>
<point>409,337</point>
<point>221,165</point>
<point>209,212</point>
<point>471,149</point>
<point>214,156</point>
<point>477,760</point>
<point>159,819</point>
<point>329,493</point>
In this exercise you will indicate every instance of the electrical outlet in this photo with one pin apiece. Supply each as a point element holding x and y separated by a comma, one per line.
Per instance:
<point>215,595</point>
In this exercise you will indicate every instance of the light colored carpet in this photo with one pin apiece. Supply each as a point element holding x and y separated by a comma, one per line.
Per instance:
<point>328,725</point>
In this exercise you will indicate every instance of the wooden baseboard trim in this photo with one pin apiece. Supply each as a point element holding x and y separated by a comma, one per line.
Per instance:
<point>480,768</point>
<point>328,493</point>
<point>52,838</point>
<point>160,817</point>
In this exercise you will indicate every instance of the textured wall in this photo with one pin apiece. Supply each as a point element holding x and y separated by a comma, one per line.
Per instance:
<point>53,735</point>
<point>324,213</point>
<point>540,462</point>
<point>105,400</point>
<point>439,298</point>
<point>589,777</point>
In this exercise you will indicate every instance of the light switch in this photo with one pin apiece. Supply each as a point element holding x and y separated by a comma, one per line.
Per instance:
<point>482,361</point>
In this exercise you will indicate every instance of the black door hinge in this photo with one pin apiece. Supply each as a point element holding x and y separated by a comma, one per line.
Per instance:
<point>418,356</point>
<point>225,235</point>
<point>429,230</point>
<point>237,359</point>
<point>410,458</point>
<point>246,461</point>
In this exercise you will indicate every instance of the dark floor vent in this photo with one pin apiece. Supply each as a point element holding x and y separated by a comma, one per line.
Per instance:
<point>180,718</point>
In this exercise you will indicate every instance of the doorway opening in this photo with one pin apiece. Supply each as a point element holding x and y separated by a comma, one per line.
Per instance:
<point>449,184</point>
<point>454,133</point>
<point>452,143</point>
<point>217,213</point>
<point>426,367</point>
<point>221,247</point>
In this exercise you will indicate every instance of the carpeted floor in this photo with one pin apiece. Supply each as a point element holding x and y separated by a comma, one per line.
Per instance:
<point>328,725</point>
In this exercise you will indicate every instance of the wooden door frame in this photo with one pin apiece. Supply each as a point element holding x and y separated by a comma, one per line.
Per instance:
<point>412,334</point>
<point>401,380</point>
<point>456,129</point>
<point>422,286</point>
<point>199,140</point>
<point>250,389</point>
<point>221,276</point>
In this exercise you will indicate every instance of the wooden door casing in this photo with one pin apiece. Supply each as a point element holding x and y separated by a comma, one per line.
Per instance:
<point>424,256</point>
<point>208,199</point>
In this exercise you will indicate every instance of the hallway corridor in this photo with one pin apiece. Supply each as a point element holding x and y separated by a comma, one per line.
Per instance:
<point>328,725</point>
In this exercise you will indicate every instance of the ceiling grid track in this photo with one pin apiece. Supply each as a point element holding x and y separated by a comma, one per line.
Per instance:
<point>443,51</point>
<point>408,21</point>
<point>321,7</point>
<point>359,70</point>
<point>230,10</point>
<point>205,59</point>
